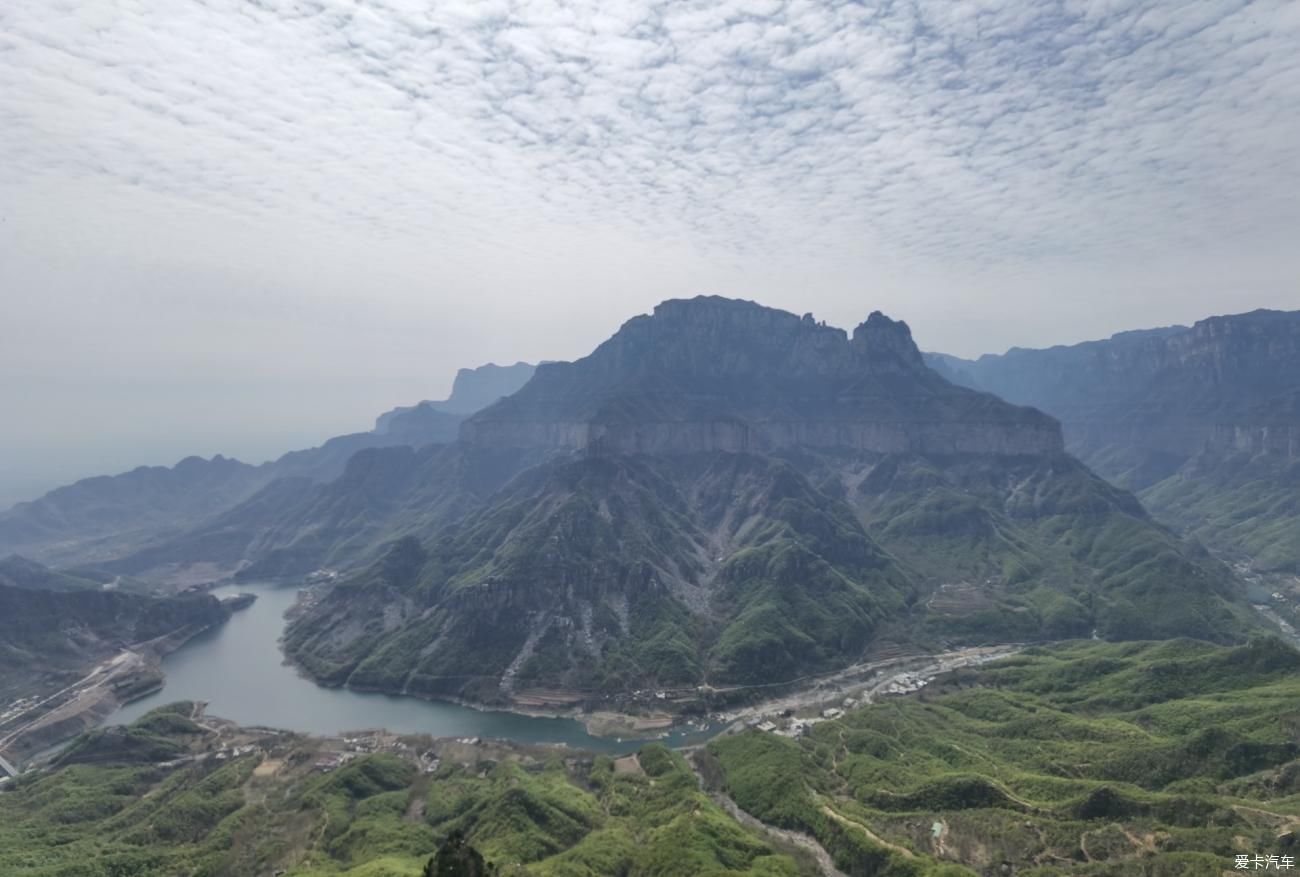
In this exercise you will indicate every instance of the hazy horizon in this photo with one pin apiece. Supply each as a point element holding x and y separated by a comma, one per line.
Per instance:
<point>91,459</point>
<point>244,230</point>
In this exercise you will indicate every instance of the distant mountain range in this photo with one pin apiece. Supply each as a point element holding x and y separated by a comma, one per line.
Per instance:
<point>1203,421</point>
<point>99,520</point>
<point>473,389</point>
<point>724,494</point>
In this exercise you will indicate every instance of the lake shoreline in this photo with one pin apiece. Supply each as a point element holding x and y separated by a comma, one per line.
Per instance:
<point>606,723</point>
<point>242,671</point>
<point>599,723</point>
<point>135,673</point>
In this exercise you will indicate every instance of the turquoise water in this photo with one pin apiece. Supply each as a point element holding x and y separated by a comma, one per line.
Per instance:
<point>239,671</point>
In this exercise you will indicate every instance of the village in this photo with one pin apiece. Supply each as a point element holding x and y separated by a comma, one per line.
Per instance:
<point>794,715</point>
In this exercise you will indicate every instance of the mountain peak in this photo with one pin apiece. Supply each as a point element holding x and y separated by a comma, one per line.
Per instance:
<point>713,335</point>
<point>711,373</point>
<point>885,342</point>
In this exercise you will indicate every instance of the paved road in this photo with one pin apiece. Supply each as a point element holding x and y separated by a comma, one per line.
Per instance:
<point>8,768</point>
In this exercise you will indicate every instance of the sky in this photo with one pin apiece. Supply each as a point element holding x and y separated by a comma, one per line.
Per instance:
<point>242,227</point>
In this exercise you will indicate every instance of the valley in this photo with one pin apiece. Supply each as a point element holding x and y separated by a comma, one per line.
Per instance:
<point>1082,758</point>
<point>649,439</point>
<point>732,550</point>
<point>723,494</point>
<point>241,674</point>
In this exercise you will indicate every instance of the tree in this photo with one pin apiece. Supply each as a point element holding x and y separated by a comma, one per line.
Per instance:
<point>456,858</point>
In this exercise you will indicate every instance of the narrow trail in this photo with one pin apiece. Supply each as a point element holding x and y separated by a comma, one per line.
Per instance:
<point>197,716</point>
<point>1283,823</point>
<point>871,835</point>
<point>825,864</point>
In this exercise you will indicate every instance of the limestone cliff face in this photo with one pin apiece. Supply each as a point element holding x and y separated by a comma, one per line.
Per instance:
<point>714,374</point>
<point>1282,440</point>
<point>1226,384</point>
<point>681,437</point>
<point>1185,437</point>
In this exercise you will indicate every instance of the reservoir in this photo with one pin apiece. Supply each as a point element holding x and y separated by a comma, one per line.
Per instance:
<point>239,671</point>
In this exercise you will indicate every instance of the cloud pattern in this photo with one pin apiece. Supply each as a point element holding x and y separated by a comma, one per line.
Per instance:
<point>973,132</point>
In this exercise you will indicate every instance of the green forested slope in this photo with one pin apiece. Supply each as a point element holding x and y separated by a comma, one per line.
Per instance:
<point>1087,758</point>
<point>153,800</point>
<point>1245,506</point>
<point>608,574</point>
<point>1035,549</point>
<point>603,575</point>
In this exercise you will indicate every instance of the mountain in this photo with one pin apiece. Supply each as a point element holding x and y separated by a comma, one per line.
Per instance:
<point>89,520</point>
<point>417,425</point>
<point>611,575</point>
<point>19,572</point>
<point>49,637</point>
<point>1204,421</point>
<point>724,494</point>
<point>296,525</point>
<point>472,390</point>
<point>714,374</point>
<point>103,519</point>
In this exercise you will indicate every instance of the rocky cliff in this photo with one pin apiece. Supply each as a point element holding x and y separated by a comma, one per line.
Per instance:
<point>1226,384</point>
<point>714,374</point>
<point>1204,421</point>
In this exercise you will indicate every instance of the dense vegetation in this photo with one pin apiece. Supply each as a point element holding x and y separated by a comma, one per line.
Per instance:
<point>1042,549</point>
<point>1242,505</point>
<point>608,574</point>
<point>1087,758</point>
<point>601,575</point>
<point>151,799</point>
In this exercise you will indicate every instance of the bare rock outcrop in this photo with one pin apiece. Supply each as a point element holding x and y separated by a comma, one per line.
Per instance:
<point>715,374</point>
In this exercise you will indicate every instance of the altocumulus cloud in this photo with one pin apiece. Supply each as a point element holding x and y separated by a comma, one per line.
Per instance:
<point>967,132</point>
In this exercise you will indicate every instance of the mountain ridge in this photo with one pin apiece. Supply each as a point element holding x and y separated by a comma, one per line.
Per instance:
<point>621,559</point>
<point>1203,421</point>
<point>714,374</point>
<point>1177,390</point>
<point>103,518</point>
